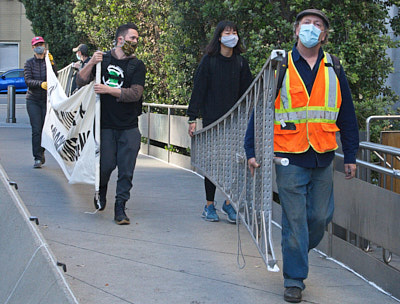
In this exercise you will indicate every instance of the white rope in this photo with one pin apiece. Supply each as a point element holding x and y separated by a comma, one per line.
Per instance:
<point>239,243</point>
<point>94,212</point>
<point>22,274</point>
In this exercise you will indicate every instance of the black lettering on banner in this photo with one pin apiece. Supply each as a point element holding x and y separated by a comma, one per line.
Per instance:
<point>82,112</point>
<point>69,149</point>
<point>58,139</point>
<point>51,89</point>
<point>68,118</point>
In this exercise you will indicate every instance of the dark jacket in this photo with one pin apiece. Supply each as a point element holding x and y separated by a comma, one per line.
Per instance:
<point>74,86</point>
<point>346,122</point>
<point>35,74</point>
<point>218,84</point>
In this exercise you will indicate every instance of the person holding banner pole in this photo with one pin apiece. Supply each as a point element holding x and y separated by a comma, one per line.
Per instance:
<point>120,90</point>
<point>97,137</point>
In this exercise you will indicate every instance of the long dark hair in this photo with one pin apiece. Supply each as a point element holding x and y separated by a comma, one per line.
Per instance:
<point>214,47</point>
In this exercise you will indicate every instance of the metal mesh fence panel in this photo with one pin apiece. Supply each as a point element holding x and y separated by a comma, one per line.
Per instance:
<point>218,153</point>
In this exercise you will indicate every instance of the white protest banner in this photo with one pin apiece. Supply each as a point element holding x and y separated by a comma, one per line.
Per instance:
<point>68,132</point>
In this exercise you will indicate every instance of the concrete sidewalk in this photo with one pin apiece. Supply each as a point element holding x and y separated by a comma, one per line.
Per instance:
<point>168,254</point>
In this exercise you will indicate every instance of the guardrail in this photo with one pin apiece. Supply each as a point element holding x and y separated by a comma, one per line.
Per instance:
<point>164,133</point>
<point>30,273</point>
<point>218,153</point>
<point>367,156</point>
<point>378,117</point>
<point>158,121</point>
<point>364,232</point>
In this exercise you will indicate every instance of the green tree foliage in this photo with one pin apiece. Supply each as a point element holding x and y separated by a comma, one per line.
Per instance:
<point>99,19</point>
<point>360,38</point>
<point>175,32</point>
<point>358,35</point>
<point>53,20</point>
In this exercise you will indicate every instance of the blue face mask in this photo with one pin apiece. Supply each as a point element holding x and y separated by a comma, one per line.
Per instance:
<point>39,50</point>
<point>309,35</point>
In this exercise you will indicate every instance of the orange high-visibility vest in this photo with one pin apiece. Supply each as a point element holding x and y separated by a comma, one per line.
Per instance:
<point>301,120</point>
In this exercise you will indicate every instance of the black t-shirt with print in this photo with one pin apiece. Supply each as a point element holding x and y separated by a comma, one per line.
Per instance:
<point>120,115</point>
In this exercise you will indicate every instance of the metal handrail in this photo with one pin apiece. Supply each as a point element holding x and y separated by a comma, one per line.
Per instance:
<point>392,172</point>
<point>163,105</point>
<point>377,117</point>
<point>169,107</point>
<point>367,126</point>
<point>379,147</point>
<point>375,148</point>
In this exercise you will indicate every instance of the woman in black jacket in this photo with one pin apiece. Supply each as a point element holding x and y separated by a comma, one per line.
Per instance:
<point>36,97</point>
<point>220,80</point>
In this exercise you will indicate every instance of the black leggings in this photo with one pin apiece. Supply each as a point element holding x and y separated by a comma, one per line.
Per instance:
<point>210,189</point>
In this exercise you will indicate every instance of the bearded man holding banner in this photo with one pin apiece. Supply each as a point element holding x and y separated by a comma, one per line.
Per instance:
<point>121,89</point>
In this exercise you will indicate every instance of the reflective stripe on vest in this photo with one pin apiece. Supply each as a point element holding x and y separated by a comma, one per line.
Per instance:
<point>314,116</point>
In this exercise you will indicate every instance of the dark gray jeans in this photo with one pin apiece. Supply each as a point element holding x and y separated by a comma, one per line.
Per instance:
<point>118,148</point>
<point>37,113</point>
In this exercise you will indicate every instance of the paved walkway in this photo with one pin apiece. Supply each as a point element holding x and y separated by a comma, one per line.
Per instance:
<point>168,254</point>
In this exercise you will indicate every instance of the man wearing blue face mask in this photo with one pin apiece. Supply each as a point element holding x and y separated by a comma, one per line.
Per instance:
<point>313,103</point>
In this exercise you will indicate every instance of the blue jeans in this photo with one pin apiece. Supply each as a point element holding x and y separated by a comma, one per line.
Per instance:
<point>118,148</point>
<point>306,197</point>
<point>37,113</point>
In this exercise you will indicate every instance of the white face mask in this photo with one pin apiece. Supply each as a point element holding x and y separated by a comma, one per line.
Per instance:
<point>77,56</point>
<point>230,41</point>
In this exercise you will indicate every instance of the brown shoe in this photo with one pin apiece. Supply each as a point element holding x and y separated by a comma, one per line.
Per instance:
<point>292,295</point>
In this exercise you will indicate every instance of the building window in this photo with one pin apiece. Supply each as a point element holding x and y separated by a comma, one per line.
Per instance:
<point>9,55</point>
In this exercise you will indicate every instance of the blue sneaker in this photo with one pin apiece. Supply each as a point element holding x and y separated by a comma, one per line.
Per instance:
<point>229,211</point>
<point>210,213</point>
